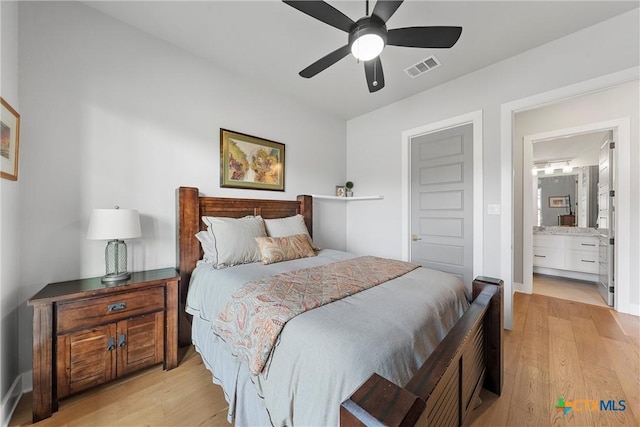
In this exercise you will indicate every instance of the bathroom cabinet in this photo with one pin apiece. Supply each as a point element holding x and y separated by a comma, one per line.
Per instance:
<point>567,254</point>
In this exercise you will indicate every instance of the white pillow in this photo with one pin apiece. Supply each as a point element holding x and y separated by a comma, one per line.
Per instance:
<point>208,247</point>
<point>235,239</point>
<point>283,227</point>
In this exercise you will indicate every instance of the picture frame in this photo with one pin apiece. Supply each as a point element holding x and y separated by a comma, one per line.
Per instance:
<point>558,202</point>
<point>341,191</point>
<point>9,141</point>
<point>251,162</point>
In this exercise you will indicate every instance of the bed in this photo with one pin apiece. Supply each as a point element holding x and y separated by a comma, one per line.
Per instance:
<point>371,358</point>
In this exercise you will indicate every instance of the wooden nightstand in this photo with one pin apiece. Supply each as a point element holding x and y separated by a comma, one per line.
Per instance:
<point>87,333</point>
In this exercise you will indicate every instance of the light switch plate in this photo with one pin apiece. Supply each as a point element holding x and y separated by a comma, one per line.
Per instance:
<point>493,209</point>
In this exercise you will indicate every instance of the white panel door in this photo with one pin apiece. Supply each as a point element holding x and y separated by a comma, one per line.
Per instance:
<point>606,227</point>
<point>442,201</point>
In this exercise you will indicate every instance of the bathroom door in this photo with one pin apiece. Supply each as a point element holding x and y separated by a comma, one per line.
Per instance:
<point>606,226</point>
<point>442,201</point>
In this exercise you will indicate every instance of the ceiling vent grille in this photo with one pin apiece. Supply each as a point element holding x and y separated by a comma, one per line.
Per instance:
<point>422,67</point>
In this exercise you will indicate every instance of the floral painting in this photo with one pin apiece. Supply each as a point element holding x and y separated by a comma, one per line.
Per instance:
<point>250,162</point>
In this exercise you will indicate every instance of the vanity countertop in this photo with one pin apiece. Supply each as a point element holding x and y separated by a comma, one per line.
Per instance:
<point>565,231</point>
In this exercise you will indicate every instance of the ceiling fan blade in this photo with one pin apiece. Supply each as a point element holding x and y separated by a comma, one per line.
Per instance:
<point>325,62</point>
<point>375,76</point>
<point>323,12</point>
<point>429,37</point>
<point>385,9</point>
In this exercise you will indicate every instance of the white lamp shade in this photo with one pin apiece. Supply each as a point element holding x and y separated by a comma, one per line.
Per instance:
<point>109,224</point>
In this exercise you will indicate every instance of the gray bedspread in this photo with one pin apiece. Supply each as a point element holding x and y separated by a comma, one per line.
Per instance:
<point>324,354</point>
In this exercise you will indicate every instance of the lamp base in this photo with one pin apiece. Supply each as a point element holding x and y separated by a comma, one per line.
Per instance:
<point>115,256</point>
<point>113,278</point>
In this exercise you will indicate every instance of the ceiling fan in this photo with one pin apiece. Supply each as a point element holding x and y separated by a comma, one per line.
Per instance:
<point>369,35</point>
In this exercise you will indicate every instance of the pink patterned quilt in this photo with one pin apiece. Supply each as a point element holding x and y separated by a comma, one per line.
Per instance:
<point>252,319</point>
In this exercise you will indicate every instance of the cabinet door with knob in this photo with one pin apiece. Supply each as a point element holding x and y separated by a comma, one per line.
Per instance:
<point>140,343</point>
<point>98,355</point>
<point>85,359</point>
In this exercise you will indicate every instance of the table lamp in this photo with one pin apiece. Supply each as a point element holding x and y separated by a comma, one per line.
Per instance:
<point>114,225</point>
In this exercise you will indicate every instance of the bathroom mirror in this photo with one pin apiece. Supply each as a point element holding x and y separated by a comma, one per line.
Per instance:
<point>568,199</point>
<point>573,162</point>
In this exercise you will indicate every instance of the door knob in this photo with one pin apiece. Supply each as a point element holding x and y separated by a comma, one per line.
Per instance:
<point>415,237</point>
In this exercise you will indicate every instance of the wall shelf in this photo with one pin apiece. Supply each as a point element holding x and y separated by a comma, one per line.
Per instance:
<point>346,199</point>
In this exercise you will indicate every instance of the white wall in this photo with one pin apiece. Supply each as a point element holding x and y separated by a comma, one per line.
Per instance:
<point>373,140</point>
<point>9,216</point>
<point>112,116</point>
<point>602,106</point>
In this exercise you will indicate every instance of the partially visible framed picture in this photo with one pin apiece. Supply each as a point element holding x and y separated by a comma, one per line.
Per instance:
<point>341,190</point>
<point>558,202</point>
<point>9,141</point>
<point>250,162</point>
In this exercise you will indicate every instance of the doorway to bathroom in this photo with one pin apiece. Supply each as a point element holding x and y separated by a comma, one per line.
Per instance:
<point>568,199</point>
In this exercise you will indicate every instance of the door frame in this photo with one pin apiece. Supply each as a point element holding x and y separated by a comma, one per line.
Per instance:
<point>475,119</point>
<point>507,113</point>
<point>622,136</point>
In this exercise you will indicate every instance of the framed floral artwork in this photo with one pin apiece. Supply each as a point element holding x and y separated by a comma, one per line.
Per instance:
<point>250,162</point>
<point>9,141</point>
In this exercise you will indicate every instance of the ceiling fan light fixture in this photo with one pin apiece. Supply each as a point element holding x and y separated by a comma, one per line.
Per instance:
<point>367,46</point>
<point>368,38</point>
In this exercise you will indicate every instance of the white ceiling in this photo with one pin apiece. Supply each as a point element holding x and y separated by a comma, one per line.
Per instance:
<point>582,150</point>
<point>269,42</point>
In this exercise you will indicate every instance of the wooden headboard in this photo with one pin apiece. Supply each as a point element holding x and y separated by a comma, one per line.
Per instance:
<point>192,207</point>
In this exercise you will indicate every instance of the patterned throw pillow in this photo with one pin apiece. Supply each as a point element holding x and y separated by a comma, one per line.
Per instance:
<point>277,249</point>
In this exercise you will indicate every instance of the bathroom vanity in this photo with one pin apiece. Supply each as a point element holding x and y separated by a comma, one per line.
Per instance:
<point>566,251</point>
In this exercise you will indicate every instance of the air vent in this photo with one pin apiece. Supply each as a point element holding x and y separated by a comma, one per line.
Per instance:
<point>422,67</point>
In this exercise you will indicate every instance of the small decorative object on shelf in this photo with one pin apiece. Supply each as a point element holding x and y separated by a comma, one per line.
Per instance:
<point>341,191</point>
<point>349,189</point>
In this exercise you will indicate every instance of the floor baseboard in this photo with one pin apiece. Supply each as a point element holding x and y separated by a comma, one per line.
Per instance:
<point>520,287</point>
<point>11,400</point>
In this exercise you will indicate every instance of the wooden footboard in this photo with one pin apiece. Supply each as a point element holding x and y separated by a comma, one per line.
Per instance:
<point>445,388</point>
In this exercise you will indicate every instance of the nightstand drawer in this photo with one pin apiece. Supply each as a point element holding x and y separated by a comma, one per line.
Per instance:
<point>99,310</point>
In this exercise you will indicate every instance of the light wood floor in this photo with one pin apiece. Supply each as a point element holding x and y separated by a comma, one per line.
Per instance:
<point>569,289</point>
<point>184,396</point>
<point>558,348</point>
<point>561,348</point>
